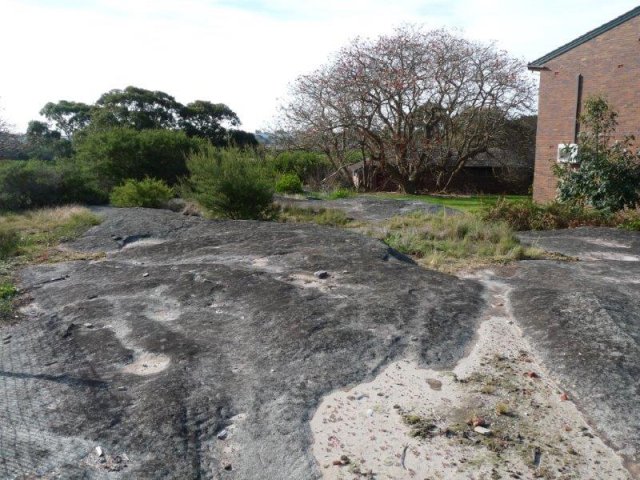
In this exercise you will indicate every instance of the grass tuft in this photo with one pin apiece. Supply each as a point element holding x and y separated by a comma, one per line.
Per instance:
<point>338,194</point>
<point>453,242</point>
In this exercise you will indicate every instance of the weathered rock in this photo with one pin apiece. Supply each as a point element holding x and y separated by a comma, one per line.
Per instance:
<point>257,345</point>
<point>584,318</point>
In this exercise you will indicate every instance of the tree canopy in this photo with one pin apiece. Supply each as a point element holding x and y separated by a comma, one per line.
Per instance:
<point>140,109</point>
<point>418,103</point>
<point>68,117</point>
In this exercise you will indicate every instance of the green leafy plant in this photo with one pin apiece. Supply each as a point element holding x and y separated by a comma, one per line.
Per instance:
<point>148,193</point>
<point>289,183</point>
<point>7,290</point>
<point>231,183</point>
<point>310,167</point>
<point>608,173</point>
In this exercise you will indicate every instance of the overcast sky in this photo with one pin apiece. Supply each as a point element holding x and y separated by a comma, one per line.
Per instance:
<point>239,52</point>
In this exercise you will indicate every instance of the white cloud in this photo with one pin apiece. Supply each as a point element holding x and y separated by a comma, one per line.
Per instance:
<point>240,52</point>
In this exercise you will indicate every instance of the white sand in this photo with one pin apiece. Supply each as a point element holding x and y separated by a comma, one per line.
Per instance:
<point>364,425</point>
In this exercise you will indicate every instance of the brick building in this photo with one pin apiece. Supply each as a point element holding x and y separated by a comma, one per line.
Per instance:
<point>604,61</point>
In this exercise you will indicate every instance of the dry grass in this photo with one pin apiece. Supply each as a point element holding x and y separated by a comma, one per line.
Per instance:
<point>452,243</point>
<point>33,237</point>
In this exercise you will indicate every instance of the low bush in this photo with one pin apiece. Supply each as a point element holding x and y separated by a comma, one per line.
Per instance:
<point>7,290</point>
<point>35,184</point>
<point>310,167</point>
<point>118,154</point>
<point>231,183</point>
<point>148,193</point>
<point>607,174</point>
<point>289,183</point>
<point>339,193</point>
<point>531,216</point>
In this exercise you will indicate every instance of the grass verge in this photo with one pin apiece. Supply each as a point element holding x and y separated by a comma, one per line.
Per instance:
<point>471,203</point>
<point>32,237</point>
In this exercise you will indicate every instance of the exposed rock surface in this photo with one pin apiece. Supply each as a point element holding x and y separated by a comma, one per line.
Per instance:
<point>198,327</point>
<point>584,318</point>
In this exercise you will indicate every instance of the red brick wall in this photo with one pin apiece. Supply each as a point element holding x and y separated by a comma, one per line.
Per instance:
<point>610,66</point>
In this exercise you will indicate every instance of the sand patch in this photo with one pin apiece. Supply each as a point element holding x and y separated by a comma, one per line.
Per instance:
<point>497,414</point>
<point>142,242</point>
<point>620,257</point>
<point>606,243</point>
<point>148,364</point>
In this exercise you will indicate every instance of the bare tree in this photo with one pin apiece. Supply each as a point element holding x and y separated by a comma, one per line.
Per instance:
<point>419,103</point>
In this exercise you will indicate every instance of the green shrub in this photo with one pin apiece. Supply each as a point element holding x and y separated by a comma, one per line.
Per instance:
<point>310,167</point>
<point>289,183</point>
<point>9,242</point>
<point>339,193</point>
<point>148,193</point>
<point>531,216</point>
<point>119,154</point>
<point>35,183</point>
<point>608,173</point>
<point>7,290</point>
<point>231,183</point>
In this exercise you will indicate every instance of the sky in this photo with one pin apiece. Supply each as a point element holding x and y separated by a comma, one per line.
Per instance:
<point>243,53</point>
